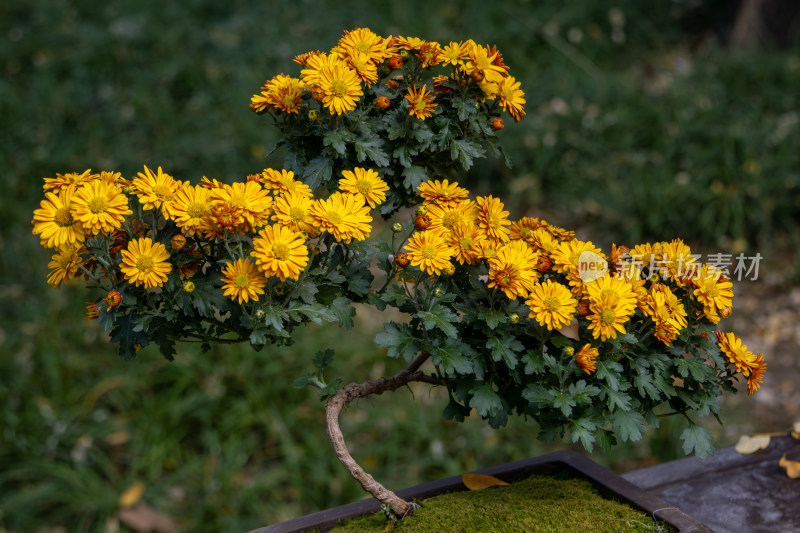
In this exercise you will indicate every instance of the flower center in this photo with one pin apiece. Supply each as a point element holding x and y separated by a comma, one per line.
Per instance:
<point>297,215</point>
<point>339,89</point>
<point>242,281</point>
<point>163,192</point>
<point>712,289</point>
<point>63,217</point>
<point>280,251</point>
<point>98,204</point>
<point>196,211</point>
<point>551,304</point>
<point>450,219</point>
<point>607,316</point>
<point>144,264</point>
<point>364,187</point>
<point>335,217</point>
<point>428,252</point>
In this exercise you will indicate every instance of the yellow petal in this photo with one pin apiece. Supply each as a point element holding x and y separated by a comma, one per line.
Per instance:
<point>792,467</point>
<point>480,481</point>
<point>131,495</point>
<point>751,444</point>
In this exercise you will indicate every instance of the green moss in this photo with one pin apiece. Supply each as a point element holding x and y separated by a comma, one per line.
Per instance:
<point>537,504</point>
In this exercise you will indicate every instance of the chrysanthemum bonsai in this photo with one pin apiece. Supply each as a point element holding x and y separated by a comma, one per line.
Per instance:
<point>510,316</point>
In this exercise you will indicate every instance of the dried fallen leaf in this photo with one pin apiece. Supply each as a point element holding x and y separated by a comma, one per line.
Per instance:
<point>796,430</point>
<point>131,495</point>
<point>751,444</point>
<point>144,518</point>
<point>481,481</point>
<point>571,331</point>
<point>792,467</point>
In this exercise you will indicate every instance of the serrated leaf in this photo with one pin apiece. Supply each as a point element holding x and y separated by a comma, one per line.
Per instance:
<point>485,400</point>
<point>128,333</point>
<point>306,291</point>
<point>505,349</point>
<point>453,358</point>
<point>398,340</point>
<point>309,378</point>
<point>565,402</point>
<point>481,481</point>
<point>343,311</point>
<point>404,154</point>
<point>323,358</point>
<point>539,395</point>
<point>439,317</point>
<point>616,399</point>
<point>697,439</point>
<point>371,148</point>
<point>455,411</point>
<point>338,139</point>
<point>583,430</point>
<point>413,176</point>
<point>629,425</point>
<point>609,371</point>
<point>318,171</point>
<point>465,152</point>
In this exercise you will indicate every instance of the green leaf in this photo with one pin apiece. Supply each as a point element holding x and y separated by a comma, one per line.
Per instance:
<point>609,371</point>
<point>439,317</point>
<point>465,151</point>
<point>371,148</point>
<point>644,384</point>
<point>534,362</point>
<point>343,311</point>
<point>338,139</point>
<point>317,171</point>
<point>359,278</point>
<point>274,317</point>
<point>583,430</point>
<point>330,389</point>
<point>316,313</point>
<point>405,154</point>
<point>309,378</point>
<point>565,402</point>
<point>629,425</point>
<point>583,393</point>
<point>455,411</point>
<point>398,340</point>
<point>465,108</point>
<point>323,359</point>
<point>454,358</point>
<point>505,348</point>
<point>413,176</point>
<point>694,367</point>
<point>493,318</point>
<point>616,399</point>
<point>698,440</point>
<point>306,291</point>
<point>538,394</point>
<point>128,333</point>
<point>485,400</point>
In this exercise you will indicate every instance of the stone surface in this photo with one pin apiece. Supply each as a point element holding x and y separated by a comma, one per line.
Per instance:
<point>731,492</point>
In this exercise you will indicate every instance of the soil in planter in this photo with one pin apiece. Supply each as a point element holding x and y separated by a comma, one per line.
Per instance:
<point>537,504</point>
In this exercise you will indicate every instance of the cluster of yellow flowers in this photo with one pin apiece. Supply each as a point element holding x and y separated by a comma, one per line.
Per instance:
<point>541,263</point>
<point>275,208</point>
<point>338,78</point>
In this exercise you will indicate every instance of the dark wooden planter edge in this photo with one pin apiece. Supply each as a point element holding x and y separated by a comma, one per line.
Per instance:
<point>608,484</point>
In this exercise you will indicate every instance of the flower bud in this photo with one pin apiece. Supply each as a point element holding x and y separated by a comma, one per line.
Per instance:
<point>278,290</point>
<point>544,263</point>
<point>497,124</point>
<point>404,55</point>
<point>188,287</point>
<point>477,75</point>
<point>725,313</point>
<point>383,103</point>
<point>449,269</point>
<point>396,62</point>
<point>397,227</point>
<point>513,318</point>
<point>260,314</point>
<point>113,299</point>
<point>402,260</point>
<point>312,115</point>
<point>178,242</point>
<point>569,351</point>
<point>422,222</point>
<point>583,308</point>
<point>438,292</point>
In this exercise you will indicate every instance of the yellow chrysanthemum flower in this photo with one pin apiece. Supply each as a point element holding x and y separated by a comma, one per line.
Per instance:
<point>609,285</point>
<point>245,206</point>
<point>293,210</point>
<point>64,265</point>
<point>363,66</point>
<point>65,181</point>
<point>191,208</point>
<point>454,54</point>
<point>283,182</point>
<point>679,262</point>
<point>243,281</point>
<point>493,218</point>
<point>757,374</point>
<point>481,60</point>
<point>713,290</point>
<point>145,263</point>
<point>449,216</point>
<point>409,43</point>
<point>281,93</point>
<point>338,85</point>
<point>511,98</point>
<point>366,183</point>
<point>467,241</point>
<point>156,191</point>
<point>54,221</point>
<point>665,307</point>
<point>443,193</point>
<point>566,255</point>
<point>420,102</point>
<point>551,304</point>
<point>280,252</point>
<point>586,358</point>
<point>343,215</point>
<point>100,206</point>
<point>429,54</point>
<point>513,269</point>
<point>609,314</point>
<point>429,251</point>
<point>736,352</point>
<point>364,41</point>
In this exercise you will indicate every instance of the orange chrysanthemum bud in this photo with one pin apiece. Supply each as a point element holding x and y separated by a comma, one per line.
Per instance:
<point>477,75</point>
<point>422,210</point>
<point>317,93</point>
<point>113,299</point>
<point>395,62</point>
<point>726,313</point>
<point>402,260</point>
<point>583,308</point>
<point>422,222</point>
<point>383,103</point>
<point>92,311</point>
<point>544,263</point>
<point>178,242</point>
<point>497,124</point>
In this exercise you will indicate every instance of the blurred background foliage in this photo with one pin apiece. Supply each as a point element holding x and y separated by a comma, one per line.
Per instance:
<point>644,122</point>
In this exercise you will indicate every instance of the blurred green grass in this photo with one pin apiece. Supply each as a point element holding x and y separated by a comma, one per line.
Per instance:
<point>637,128</point>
